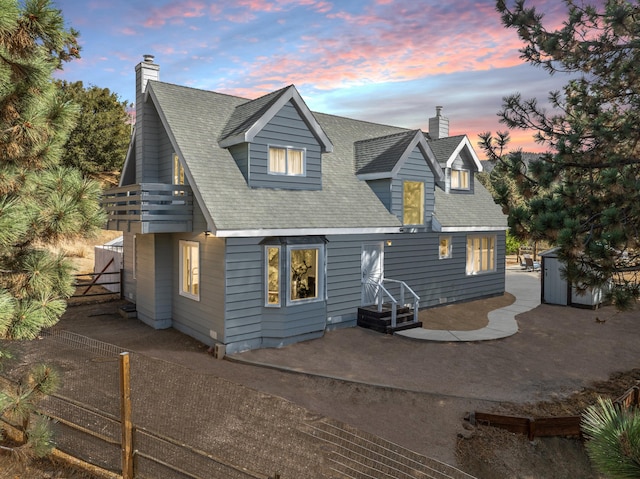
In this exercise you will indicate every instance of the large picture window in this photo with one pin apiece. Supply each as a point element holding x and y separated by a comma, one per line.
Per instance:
<point>286,161</point>
<point>189,269</point>
<point>481,254</point>
<point>304,273</point>
<point>459,179</point>
<point>413,203</point>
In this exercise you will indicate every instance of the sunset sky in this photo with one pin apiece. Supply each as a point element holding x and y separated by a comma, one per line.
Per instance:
<point>387,61</point>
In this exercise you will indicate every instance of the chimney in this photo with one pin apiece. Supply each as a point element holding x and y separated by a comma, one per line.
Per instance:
<point>438,125</point>
<point>145,70</point>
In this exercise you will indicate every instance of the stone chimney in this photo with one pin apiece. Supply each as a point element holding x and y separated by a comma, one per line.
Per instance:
<point>145,70</point>
<point>438,125</point>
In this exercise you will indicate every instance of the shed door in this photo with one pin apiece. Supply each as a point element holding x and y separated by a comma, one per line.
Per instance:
<point>372,271</point>
<point>555,288</point>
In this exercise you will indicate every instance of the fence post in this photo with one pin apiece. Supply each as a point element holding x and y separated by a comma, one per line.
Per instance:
<point>125,416</point>
<point>121,283</point>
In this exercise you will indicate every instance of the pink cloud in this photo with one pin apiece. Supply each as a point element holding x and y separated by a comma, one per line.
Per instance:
<point>128,31</point>
<point>175,12</point>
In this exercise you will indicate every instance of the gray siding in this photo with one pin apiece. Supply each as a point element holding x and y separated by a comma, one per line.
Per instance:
<point>240,154</point>
<point>243,292</point>
<point>382,189</point>
<point>204,318</point>
<point>128,266</point>
<point>153,279</point>
<point>287,128</point>
<point>414,169</point>
<point>412,258</point>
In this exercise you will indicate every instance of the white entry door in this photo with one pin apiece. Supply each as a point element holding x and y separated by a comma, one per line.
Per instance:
<point>372,271</point>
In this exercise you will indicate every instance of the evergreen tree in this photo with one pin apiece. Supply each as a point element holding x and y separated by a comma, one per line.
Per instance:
<point>584,194</point>
<point>98,144</point>
<point>613,439</point>
<point>41,202</point>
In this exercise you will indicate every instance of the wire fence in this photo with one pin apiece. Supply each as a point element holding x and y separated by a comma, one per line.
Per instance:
<point>191,425</point>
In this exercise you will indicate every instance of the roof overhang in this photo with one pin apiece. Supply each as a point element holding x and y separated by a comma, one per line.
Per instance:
<point>465,143</point>
<point>291,94</point>
<point>304,231</point>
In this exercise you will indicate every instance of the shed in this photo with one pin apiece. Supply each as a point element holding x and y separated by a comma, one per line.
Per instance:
<point>556,290</point>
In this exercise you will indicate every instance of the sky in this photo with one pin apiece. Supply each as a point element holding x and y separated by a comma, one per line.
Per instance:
<point>385,61</point>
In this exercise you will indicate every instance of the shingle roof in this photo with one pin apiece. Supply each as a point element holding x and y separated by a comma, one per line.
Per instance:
<point>196,119</point>
<point>443,148</point>
<point>246,114</point>
<point>380,155</point>
<point>478,210</point>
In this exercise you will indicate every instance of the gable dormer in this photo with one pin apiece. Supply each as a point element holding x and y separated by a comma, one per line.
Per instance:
<point>402,170</point>
<point>458,161</point>
<point>277,142</point>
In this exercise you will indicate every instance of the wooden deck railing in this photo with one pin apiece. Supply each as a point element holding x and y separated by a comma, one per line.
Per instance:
<point>158,207</point>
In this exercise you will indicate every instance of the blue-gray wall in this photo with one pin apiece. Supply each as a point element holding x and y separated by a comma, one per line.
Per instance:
<point>287,128</point>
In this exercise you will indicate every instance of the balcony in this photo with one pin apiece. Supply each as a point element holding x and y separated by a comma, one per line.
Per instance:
<point>149,208</point>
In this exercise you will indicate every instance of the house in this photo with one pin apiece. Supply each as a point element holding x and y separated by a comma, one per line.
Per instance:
<point>258,223</point>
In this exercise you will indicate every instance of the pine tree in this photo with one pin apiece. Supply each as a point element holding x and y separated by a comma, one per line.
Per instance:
<point>98,144</point>
<point>584,194</point>
<point>41,202</point>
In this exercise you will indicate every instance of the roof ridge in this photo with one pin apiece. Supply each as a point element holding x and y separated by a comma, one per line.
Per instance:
<point>378,138</point>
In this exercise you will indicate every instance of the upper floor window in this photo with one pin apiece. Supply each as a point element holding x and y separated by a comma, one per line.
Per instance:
<point>178,171</point>
<point>413,203</point>
<point>481,254</point>
<point>459,179</point>
<point>286,161</point>
<point>190,269</point>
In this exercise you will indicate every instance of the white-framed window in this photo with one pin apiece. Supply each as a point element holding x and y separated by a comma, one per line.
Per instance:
<point>460,179</point>
<point>286,160</point>
<point>444,247</point>
<point>272,275</point>
<point>190,269</point>
<point>413,203</point>
<point>481,254</point>
<point>306,273</point>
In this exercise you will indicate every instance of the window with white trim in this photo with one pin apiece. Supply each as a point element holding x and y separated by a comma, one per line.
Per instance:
<point>286,160</point>
<point>481,254</point>
<point>460,179</point>
<point>272,275</point>
<point>444,248</point>
<point>304,277</point>
<point>190,269</point>
<point>413,203</point>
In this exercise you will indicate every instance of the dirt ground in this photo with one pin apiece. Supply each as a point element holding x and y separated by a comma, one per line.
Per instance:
<point>429,422</point>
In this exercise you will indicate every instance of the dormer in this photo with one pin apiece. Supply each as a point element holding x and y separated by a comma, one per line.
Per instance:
<point>458,161</point>
<point>277,142</point>
<point>402,171</point>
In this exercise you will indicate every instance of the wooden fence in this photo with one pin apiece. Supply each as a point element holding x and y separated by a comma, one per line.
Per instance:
<point>567,426</point>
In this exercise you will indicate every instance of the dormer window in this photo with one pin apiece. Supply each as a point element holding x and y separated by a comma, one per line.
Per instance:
<point>413,203</point>
<point>459,179</point>
<point>286,160</point>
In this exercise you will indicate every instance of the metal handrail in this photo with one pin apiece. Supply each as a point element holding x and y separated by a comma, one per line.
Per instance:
<point>394,302</point>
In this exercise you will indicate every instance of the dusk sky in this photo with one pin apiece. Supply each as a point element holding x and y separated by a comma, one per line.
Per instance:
<point>387,61</point>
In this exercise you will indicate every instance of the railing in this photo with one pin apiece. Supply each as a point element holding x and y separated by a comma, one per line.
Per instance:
<point>382,291</point>
<point>158,207</point>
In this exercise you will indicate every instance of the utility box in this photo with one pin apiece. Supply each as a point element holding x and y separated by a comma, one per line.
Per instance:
<point>556,290</point>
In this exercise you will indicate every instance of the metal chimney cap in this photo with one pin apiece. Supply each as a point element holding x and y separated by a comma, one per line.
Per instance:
<point>438,110</point>
<point>148,58</point>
